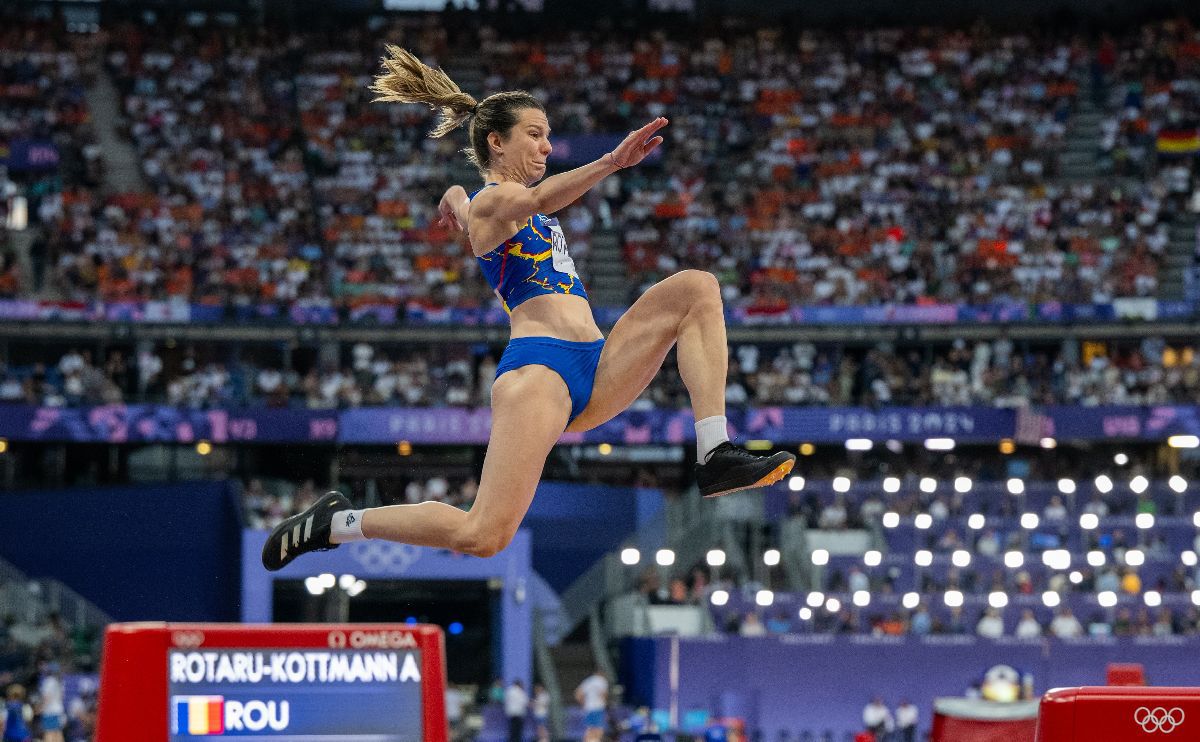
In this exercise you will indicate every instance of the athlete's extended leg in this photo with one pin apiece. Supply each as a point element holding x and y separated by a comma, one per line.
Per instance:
<point>685,309</point>
<point>530,407</point>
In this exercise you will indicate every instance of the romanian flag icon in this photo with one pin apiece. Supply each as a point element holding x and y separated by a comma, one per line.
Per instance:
<point>198,715</point>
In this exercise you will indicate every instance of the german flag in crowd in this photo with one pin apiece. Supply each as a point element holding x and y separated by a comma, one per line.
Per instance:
<point>1179,141</point>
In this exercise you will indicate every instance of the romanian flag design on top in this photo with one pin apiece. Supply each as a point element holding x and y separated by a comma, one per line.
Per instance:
<point>198,715</point>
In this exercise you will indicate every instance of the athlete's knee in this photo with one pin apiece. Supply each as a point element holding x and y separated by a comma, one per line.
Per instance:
<point>483,542</point>
<point>702,286</point>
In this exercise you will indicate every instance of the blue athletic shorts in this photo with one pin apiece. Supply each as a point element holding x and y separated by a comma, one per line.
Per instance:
<point>594,719</point>
<point>575,362</point>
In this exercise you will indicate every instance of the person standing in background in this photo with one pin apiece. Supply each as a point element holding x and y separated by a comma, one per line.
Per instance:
<point>906,721</point>
<point>877,718</point>
<point>592,694</point>
<point>541,712</point>
<point>50,693</point>
<point>516,706</point>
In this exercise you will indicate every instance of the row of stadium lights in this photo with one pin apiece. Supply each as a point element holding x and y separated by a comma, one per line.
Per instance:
<point>963,485</point>
<point>1057,559</point>
<point>318,584</point>
<point>1007,445</point>
<point>952,598</point>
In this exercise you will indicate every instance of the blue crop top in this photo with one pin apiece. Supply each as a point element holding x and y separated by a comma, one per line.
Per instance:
<point>532,262</point>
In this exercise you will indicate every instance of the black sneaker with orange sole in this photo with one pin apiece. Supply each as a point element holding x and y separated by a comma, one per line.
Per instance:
<point>732,469</point>
<point>300,534</point>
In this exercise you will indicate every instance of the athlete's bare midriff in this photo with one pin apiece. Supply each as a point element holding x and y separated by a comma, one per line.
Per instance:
<point>557,316</point>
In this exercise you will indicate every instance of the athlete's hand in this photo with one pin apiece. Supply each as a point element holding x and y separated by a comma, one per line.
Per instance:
<point>638,144</point>
<point>454,196</point>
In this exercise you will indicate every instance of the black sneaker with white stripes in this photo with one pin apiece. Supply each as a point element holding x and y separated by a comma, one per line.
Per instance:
<point>732,469</point>
<point>300,534</point>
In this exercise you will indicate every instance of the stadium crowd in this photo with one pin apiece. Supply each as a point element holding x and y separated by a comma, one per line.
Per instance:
<point>990,373</point>
<point>832,169</point>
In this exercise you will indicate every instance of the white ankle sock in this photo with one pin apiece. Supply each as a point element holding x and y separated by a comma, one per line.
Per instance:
<point>346,526</point>
<point>710,433</point>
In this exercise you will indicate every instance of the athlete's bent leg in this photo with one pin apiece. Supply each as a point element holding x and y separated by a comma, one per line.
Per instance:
<point>685,309</point>
<point>530,407</point>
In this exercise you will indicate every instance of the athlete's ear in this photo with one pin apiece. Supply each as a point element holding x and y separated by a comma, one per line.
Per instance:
<point>494,142</point>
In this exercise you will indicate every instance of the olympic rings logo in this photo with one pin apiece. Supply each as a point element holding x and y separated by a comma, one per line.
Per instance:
<point>188,639</point>
<point>383,557</point>
<point>1158,719</point>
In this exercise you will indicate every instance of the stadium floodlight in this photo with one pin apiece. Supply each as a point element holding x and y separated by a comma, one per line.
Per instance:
<point>771,557</point>
<point>1139,484</point>
<point>1103,484</point>
<point>1152,598</point>
<point>1075,577</point>
<point>1058,559</point>
<point>1178,484</point>
<point>892,519</point>
<point>1183,441</point>
<point>1135,557</point>
<point>1107,598</point>
<point>1013,559</point>
<point>833,605</point>
<point>346,582</point>
<point>1196,519</point>
<point>1120,459</point>
<point>327,580</point>
<point>664,557</point>
<point>1051,599</point>
<point>859,444</point>
<point>923,557</point>
<point>820,557</point>
<point>1066,486</point>
<point>715,557</point>
<point>997,599</point>
<point>815,599</point>
<point>953,598</point>
<point>805,614</point>
<point>1089,521</point>
<point>796,483</point>
<point>873,558</point>
<point>962,485</point>
<point>764,598</point>
<point>1048,443</point>
<point>891,485</point>
<point>923,521</point>
<point>841,484</point>
<point>1196,597</point>
<point>719,597</point>
<point>1029,521</point>
<point>928,485</point>
<point>313,585</point>
<point>631,556</point>
<point>1144,520</point>
<point>1096,558</point>
<point>939,444</point>
<point>356,588</point>
<point>1016,486</point>
<point>862,598</point>
<point>976,521</point>
<point>1188,558</point>
<point>912,600</point>
<point>961,558</point>
<point>894,445</point>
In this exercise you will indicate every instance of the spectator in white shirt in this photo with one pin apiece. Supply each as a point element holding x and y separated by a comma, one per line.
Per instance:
<point>907,716</point>
<point>1028,627</point>
<point>1065,625</point>
<point>592,695</point>
<point>991,625</point>
<point>516,705</point>
<point>877,718</point>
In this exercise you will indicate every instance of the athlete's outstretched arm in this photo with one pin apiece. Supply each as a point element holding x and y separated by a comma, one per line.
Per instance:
<point>515,202</point>
<point>453,208</point>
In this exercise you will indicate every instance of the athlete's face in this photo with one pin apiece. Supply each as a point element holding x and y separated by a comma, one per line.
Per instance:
<point>524,153</point>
